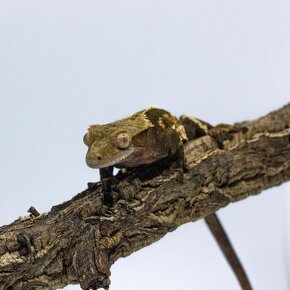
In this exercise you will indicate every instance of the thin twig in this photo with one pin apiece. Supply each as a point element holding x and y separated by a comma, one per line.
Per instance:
<point>225,245</point>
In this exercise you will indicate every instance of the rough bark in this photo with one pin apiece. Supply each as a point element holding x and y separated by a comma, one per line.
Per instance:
<point>79,240</point>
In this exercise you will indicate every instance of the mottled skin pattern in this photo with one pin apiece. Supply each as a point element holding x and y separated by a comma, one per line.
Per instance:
<point>196,128</point>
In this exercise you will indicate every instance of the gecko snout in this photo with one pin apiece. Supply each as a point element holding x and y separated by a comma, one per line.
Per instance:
<point>93,160</point>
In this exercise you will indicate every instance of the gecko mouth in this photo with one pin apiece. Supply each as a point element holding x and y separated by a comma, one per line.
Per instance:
<point>117,159</point>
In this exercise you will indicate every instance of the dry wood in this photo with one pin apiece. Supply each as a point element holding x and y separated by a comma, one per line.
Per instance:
<point>79,240</point>
<point>225,245</point>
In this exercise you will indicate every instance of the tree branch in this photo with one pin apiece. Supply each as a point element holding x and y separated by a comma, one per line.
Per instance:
<point>79,240</point>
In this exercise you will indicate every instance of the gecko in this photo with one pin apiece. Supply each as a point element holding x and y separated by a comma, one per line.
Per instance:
<point>146,137</point>
<point>140,139</point>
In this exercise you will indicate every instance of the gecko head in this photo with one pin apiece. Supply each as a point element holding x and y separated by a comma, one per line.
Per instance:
<point>113,143</point>
<point>107,150</point>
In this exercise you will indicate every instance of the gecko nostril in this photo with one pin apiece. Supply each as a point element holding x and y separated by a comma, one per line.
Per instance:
<point>99,157</point>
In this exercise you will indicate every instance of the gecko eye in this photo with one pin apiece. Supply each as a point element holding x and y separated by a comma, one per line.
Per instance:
<point>123,140</point>
<point>86,139</point>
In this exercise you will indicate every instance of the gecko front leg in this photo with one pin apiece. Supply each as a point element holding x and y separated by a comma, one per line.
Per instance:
<point>108,181</point>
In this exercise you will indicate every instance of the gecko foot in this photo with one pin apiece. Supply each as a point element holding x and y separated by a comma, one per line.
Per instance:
<point>225,132</point>
<point>92,185</point>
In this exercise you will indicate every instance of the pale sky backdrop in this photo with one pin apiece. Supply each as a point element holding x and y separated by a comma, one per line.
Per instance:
<point>67,64</point>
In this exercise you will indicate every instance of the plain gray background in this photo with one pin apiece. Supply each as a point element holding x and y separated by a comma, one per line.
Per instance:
<point>67,64</point>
